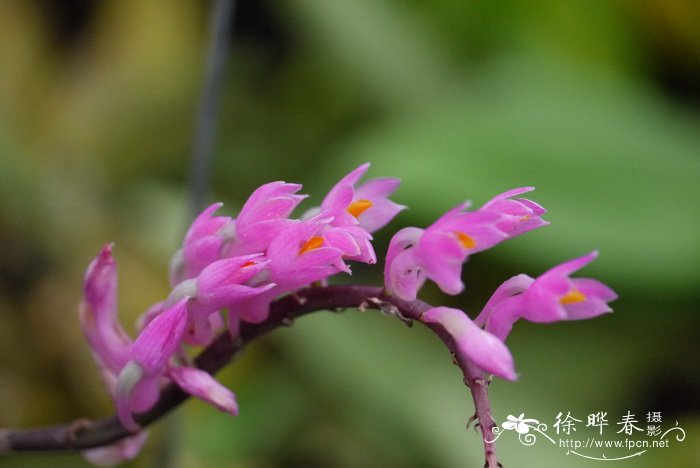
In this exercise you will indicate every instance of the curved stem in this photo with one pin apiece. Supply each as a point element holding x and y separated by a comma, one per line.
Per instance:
<point>83,434</point>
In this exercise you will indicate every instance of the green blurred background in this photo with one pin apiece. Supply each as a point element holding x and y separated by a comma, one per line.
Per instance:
<point>596,103</point>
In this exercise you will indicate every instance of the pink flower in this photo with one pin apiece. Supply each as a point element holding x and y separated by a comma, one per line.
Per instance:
<point>138,386</point>
<point>202,244</point>
<point>221,284</point>
<point>298,256</point>
<point>355,213</point>
<point>352,240</point>
<point>438,252</point>
<point>510,290</point>
<point>198,383</point>
<point>472,343</point>
<point>138,383</point>
<point>403,275</point>
<point>368,203</point>
<point>161,337</point>
<point>553,296</point>
<point>517,215</point>
<point>110,345</point>
<point>211,238</point>
<point>263,216</point>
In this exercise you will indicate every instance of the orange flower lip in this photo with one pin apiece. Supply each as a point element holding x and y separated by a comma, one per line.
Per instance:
<point>313,243</point>
<point>465,240</point>
<point>358,207</point>
<point>572,297</point>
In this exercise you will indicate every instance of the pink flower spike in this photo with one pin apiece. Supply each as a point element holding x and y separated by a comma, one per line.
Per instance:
<point>368,203</point>
<point>472,343</point>
<point>198,383</point>
<point>110,344</point>
<point>519,215</point>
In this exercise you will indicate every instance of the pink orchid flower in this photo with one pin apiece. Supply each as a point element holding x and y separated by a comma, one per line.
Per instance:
<point>263,216</point>
<point>138,384</point>
<point>438,252</point>
<point>369,203</point>
<point>553,296</point>
<point>298,256</point>
<point>221,284</point>
<point>110,344</point>
<point>518,215</point>
<point>352,240</point>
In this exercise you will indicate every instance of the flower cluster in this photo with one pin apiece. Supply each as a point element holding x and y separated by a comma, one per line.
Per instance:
<point>227,271</point>
<point>438,252</point>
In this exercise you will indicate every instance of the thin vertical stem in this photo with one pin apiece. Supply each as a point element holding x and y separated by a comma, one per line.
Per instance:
<point>207,113</point>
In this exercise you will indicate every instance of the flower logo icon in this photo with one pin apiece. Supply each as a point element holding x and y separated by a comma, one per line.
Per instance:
<point>519,424</point>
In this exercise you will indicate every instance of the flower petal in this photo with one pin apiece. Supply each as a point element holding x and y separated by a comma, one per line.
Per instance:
<point>122,450</point>
<point>339,196</point>
<point>515,285</point>
<point>382,210</point>
<point>110,344</point>
<point>404,277</point>
<point>198,383</point>
<point>158,341</point>
<point>135,393</point>
<point>393,273</point>
<point>484,349</point>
